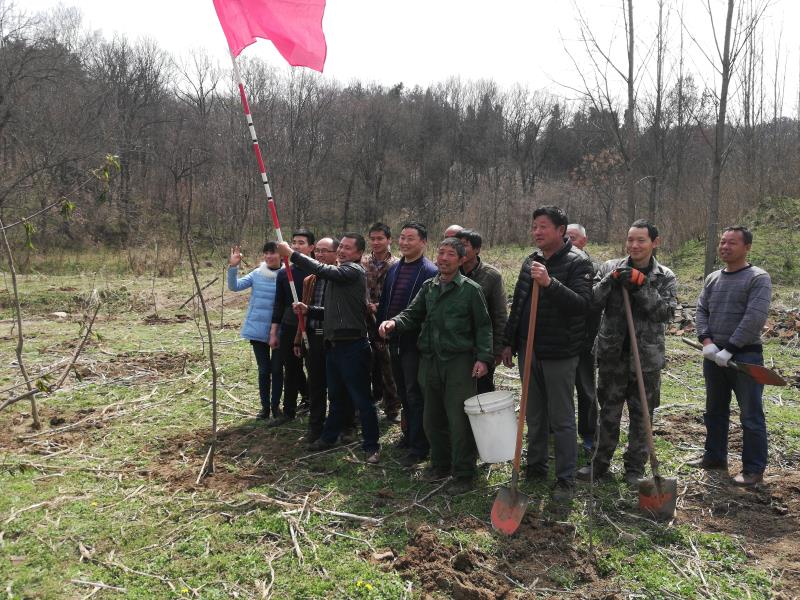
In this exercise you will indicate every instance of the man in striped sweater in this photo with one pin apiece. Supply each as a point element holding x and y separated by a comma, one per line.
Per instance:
<point>731,313</point>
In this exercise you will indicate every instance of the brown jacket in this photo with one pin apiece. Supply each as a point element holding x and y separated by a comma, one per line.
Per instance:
<point>309,285</point>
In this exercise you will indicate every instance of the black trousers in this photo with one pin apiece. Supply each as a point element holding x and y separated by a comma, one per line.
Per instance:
<point>292,371</point>
<point>317,385</point>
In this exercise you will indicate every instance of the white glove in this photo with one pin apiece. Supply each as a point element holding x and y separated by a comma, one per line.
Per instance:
<point>710,351</point>
<point>722,357</point>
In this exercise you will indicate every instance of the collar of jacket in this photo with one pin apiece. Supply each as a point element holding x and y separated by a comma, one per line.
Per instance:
<point>458,279</point>
<point>656,270</point>
<point>477,266</point>
<point>539,257</point>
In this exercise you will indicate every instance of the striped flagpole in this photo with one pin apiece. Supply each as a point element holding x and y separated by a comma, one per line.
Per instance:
<point>270,200</point>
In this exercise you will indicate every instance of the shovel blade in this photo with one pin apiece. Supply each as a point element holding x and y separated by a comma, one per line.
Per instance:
<point>657,496</point>
<point>508,510</point>
<point>762,375</point>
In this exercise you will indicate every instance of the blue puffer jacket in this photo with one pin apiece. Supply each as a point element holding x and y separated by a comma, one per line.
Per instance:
<point>259,310</point>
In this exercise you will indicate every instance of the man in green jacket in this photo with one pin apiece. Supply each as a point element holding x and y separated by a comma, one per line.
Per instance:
<point>491,282</point>
<point>455,341</point>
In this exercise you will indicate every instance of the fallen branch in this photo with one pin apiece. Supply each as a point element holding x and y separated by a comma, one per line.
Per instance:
<point>192,297</point>
<point>94,300</point>
<point>99,585</point>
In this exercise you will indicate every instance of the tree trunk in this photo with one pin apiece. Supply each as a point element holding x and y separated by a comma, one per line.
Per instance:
<point>712,229</point>
<point>630,182</point>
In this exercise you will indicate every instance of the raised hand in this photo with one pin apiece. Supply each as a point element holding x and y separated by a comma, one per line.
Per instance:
<point>236,256</point>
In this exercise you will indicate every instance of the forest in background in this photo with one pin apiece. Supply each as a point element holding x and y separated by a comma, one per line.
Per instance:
<point>341,156</point>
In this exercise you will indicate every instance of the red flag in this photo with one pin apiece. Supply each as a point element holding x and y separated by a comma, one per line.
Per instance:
<point>294,26</point>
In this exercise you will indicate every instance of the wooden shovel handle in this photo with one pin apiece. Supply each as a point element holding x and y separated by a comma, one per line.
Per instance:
<point>640,380</point>
<point>526,373</point>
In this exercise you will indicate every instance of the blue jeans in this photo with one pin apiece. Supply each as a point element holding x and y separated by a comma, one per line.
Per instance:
<point>720,382</point>
<point>348,371</point>
<point>269,368</point>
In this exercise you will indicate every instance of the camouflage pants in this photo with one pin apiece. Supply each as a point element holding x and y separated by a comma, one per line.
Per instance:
<point>616,386</point>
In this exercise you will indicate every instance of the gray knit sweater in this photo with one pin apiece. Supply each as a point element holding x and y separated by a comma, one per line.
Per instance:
<point>733,307</point>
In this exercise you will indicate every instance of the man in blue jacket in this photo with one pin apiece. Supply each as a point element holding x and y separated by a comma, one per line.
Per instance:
<point>403,281</point>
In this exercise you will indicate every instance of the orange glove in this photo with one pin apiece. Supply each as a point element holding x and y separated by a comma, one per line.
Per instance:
<point>631,278</point>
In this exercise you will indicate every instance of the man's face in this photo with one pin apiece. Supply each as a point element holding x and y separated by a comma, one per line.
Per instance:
<point>732,248</point>
<point>324,251</point>
<point>578,240</point>
<point>410,243</point>
<point>545,234</point>
<point>273,260</point>
<point>472,253</point>
<point>639,245</point>
<point>348,252</point>
<point>301,245</point>
<point>448,261</point>
<point>378,242</point>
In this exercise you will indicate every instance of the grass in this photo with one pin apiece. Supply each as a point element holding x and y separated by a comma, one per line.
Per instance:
<point>114,499</point>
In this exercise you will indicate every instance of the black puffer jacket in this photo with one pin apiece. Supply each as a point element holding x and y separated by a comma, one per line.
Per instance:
<point>563,305</point>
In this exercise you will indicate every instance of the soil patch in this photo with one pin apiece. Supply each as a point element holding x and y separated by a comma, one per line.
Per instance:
<point>145,365</point>
<point>765,518</point>
<point>162,320</point>
<point>530,563</point>
<point>246,455</point>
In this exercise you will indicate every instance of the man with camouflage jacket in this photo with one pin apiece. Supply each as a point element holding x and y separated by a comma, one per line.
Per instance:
<point>652,288</point>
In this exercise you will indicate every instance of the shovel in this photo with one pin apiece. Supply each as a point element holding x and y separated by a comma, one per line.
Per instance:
<point>658,495</point>
<point>760,374</point>
<point>510,504</point>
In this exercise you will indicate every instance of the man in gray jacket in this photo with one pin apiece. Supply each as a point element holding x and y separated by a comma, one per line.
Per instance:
<point>344,330</point>
<point>731,313</point>
<point>491,282</point>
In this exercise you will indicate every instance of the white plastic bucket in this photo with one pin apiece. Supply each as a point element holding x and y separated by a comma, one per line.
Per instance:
<point>494,424</point>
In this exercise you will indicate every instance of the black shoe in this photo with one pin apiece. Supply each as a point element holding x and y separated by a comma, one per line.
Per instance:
<point>312,436</point>
<point>432,474</point>
<point>534,475</point>
<point>460,485</point>
<point>319,445</point>
<point>632,478</point>
<point>403,443</point>
<point>262,415</point>
<point>709,464</point>
<point>563,491</point>
<point>278,421</point>
<point>585,474</point>
<point>410,460</point>
<point>348,437</point>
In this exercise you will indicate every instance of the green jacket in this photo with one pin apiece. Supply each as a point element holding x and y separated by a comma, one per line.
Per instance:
<point>491,282</point>
<point>451,321</point>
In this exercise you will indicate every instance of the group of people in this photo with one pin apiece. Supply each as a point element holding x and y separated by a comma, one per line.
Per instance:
<point>420,337</point>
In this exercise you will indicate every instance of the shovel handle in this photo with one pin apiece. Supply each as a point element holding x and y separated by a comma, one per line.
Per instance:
<point>637,363</point>
<point>526,377</point>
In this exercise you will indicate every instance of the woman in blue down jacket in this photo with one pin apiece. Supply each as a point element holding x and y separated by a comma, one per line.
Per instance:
<point>257,326</point>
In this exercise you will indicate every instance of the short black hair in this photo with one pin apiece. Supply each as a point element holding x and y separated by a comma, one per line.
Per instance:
<point>556,215</point>
<point>746,233</point>
<point>270,247</point>
<point>455,244</point>
<point>306,233</point>
<point>421,229</point>
<point>473,237</point>
<point>361,244</point>
<point>652,230</point>
<point>380,227</point>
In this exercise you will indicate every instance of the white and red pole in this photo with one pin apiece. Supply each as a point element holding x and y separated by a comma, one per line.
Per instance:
<point>270,200</point>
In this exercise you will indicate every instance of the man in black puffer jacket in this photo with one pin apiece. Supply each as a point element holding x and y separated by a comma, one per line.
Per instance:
<point>565,276</point>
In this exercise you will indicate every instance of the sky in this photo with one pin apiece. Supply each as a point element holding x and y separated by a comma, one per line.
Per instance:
<point>420,42</point>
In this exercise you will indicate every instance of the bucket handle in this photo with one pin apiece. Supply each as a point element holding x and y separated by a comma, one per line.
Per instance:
<point>477,395</point>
